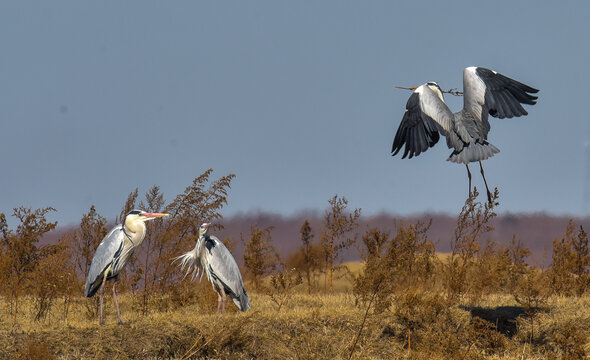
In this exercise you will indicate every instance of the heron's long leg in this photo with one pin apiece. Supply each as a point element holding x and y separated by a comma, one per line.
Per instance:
<point>116,302</point>
<point>222,300</point>
<point>485,182</point>
<point>218,302</point>
<point>469,176</point>
<point>101,296</point>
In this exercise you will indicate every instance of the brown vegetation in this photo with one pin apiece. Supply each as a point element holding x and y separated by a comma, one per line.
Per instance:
<point>483,299</point>
<point>260,257</point>
<point>338,224</point>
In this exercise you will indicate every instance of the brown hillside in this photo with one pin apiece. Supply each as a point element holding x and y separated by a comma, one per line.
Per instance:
<point>536,231</point>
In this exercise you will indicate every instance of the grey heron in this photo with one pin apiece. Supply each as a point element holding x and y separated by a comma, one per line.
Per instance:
<point>484,92</point>
<point>113,252</point>
<point>211,257</point>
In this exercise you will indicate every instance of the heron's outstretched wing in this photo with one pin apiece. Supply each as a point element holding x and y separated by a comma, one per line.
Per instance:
<point>224,268</point>
<point>426,115</point>
<point>488,92</point>
<point>105,253</point>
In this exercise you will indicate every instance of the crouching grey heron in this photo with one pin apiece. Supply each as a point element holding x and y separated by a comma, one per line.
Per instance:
<point>211,257</point>
<point>113,252</point>
<point>484,92</point>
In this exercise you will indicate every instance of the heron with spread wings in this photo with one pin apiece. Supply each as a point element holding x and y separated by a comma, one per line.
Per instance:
<point>485,92</point>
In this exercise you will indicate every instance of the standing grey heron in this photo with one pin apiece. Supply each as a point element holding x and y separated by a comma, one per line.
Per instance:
<point>211,257</point>
<point>113,252</point>
<point>485,92</point>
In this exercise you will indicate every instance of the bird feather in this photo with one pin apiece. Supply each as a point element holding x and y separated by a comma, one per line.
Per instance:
<point>191,262</point>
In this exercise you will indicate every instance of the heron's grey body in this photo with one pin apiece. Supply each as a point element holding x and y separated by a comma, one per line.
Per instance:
<point>113,253</point>
<point>485,92</point>
<point>212,258</point>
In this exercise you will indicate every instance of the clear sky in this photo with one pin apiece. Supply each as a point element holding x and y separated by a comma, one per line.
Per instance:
<point>296,98</point>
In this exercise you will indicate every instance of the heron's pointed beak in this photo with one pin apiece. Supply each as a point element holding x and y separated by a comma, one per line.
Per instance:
<point>150,216</point>
<point>407,88</point>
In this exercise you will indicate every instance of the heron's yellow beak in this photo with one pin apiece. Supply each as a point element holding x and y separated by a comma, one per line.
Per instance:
<point>407,88</point>
<point>150,216</point>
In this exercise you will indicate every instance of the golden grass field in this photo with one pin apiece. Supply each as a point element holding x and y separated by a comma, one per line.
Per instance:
<point>315,326</point>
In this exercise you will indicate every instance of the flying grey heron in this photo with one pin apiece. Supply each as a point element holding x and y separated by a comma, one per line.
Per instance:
<point>113,252</point>
<point>211,257</point>
<point>484,92</point>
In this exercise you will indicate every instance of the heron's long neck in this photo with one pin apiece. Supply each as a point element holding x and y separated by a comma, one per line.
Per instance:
<point>200,244</point>
<point>440,96</point>
<point>200,248</point>
<point>135,232</point>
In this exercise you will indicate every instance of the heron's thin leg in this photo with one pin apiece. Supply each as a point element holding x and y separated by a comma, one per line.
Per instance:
<point>485,182</point>
<point>469,176</point>
<point>101,296</point>
<point>116,302</point>
<point>222,300</point>
<point>218,302</point>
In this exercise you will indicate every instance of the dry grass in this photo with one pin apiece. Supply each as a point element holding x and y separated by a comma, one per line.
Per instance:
<point>308,327</point>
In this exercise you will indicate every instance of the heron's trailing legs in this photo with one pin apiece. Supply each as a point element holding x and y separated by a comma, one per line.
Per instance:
<point>221,301</point>
<point>485,182</point>
<point>469,176</point>
<point>117,302</point>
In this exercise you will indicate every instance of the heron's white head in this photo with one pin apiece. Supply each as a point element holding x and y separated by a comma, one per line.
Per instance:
<point>139,216</point>
<point>204,229</point>
<point>437,90</point>
<point>431,85</point>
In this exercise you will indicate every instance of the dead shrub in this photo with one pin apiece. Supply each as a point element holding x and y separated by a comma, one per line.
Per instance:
<point>336,236</point>
<point>308,259</point>
<point>531,293</point>
<point>282,285</point>
<point>53,276</point>
<point>260,257</point>
<point>489,274</point>
<point>518,266</point>
<point>472,223</point>
<point>394,265</point>
<point>570,273</point>
<point>415,311</point>
<point>399,273</point>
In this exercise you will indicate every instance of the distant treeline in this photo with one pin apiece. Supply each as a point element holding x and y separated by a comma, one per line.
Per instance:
<point>535,230</point>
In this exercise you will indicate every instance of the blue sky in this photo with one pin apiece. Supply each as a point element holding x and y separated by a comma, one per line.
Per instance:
<point>296,98</point>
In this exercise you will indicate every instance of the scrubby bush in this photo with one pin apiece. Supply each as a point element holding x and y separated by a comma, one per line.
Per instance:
<point>472,224</point>
<point>260,257</point>
<point>570,261</point>
<point>282,285</point>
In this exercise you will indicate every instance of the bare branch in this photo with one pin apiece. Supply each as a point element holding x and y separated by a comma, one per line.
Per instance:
<point>452,91</point>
